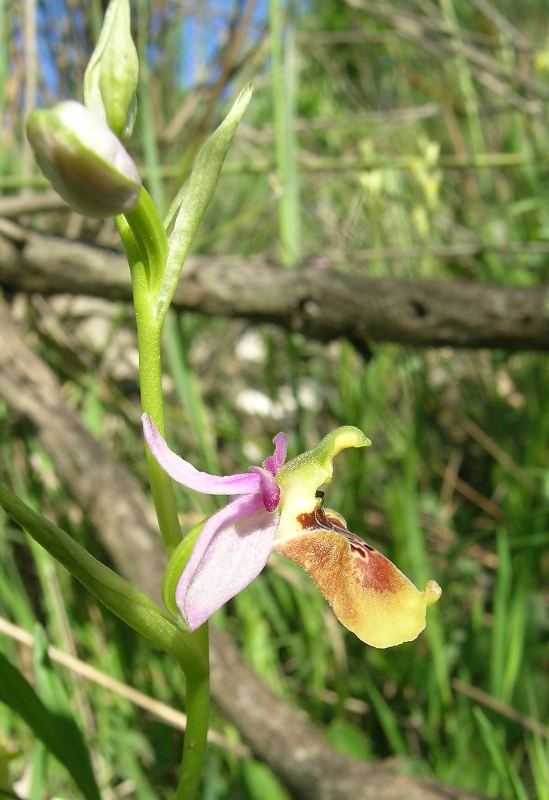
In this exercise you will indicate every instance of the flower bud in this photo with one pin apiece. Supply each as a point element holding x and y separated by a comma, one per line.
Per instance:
<point>111,77</point>
<point>84,161</point>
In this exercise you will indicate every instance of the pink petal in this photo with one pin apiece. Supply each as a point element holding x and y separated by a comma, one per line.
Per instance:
<point>274,462</point>
<point>185,474</point>
<point>268,488</point>
<point>230,552</point>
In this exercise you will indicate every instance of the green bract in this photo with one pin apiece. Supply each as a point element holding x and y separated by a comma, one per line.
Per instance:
<point>176,565</point>
<point>194,196</point>
<point>110,81</point>
<point>85,162</point>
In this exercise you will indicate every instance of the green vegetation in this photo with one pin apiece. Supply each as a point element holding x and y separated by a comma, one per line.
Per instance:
<point>420,129</point>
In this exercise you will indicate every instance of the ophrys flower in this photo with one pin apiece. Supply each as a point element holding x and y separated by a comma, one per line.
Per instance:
<point>278,506</point>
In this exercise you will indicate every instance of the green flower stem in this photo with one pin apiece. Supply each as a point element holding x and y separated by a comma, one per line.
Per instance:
<point>145,243</point>
<point>197,692</point>
<point>148,336</point>
<point>143,229</point>
<point>196,677</point>
<point>150,238</point>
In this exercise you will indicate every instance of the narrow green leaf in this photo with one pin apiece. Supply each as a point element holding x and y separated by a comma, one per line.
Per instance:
<point>194,197</point>
<point>17,693</point>
<point>39,768</point>
<point>499,756</point>
<point>123,599</point>
<point>387,719</point>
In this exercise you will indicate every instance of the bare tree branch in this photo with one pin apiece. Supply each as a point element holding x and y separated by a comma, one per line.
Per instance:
<point>320,303</point>
<point>114,503</point>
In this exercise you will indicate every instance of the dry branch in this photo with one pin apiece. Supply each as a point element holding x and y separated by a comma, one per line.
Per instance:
<point>114,503</point>
<point>320,303</point>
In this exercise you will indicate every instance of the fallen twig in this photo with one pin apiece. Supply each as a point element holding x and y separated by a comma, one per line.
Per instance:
<point>320,303</point>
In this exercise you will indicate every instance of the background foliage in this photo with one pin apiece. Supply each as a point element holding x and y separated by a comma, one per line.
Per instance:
<point>405,139</point>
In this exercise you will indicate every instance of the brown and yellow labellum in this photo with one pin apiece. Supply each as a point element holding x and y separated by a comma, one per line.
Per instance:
<point>367,593</point>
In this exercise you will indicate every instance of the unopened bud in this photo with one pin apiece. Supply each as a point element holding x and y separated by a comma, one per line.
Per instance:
<point>84,161</point>
<point>110,81</point>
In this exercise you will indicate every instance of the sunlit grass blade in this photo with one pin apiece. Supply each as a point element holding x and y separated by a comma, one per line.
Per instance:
<point>188,390</point>
<point>501,761</point>
<point>146,113</point>
<point>386,718</point>
<point>284,78</point>
<point>261,783</point>
<point>39,766</point>
<point>501,632</point>
<point>538,756</point>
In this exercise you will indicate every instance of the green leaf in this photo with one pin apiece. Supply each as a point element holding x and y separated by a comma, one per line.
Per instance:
<point>17,693</point>
<point>194,197</point>
<point>176,565</point>
<point>123,599</point>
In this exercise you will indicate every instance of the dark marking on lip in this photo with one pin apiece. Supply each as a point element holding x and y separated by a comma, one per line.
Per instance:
<point>323,520</point>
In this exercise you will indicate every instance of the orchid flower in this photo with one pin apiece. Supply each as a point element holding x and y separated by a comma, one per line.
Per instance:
<point>278,507</point>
